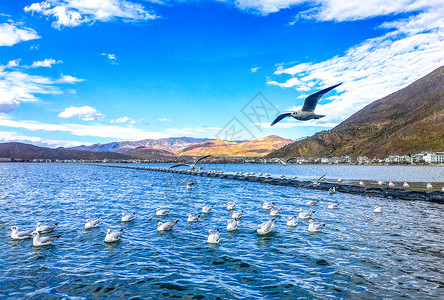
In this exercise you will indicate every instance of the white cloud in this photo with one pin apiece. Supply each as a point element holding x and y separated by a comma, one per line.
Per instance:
<point>86,113</point>
<point>254,69</point>
<point>11,34</point>
<point>164,120</point>
<point>109,55</point>
<point>69,79</point>
<point>71,13</point>
<point>7,136</point>
<point>123,119</point>
<point>378,66</point>
<point>47,63</point>
<point>266,6</point>
<point>13,63</point>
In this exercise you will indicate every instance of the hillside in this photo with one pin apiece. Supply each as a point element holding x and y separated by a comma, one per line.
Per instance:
<point>30,152</point>
<point>405,122</point>
<point>257,147</point>
<point>149,153</point>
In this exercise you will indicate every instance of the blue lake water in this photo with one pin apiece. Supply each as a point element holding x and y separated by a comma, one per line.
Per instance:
<point>399,253</point>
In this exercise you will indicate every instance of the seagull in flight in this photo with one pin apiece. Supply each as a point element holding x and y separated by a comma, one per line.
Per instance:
<point>193,165</point>
<point>307,111</point>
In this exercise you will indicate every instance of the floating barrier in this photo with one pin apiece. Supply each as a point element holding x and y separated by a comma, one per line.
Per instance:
<point>394,193</point>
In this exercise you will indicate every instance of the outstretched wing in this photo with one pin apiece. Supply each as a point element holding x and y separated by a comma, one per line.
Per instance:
<point>179,165</point>
<point>280,117</point>
<point>312,100</point>
<point>201,158</point>
<point>290,159</point>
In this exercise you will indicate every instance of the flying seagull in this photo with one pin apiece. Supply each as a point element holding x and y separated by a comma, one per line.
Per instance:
<point>286,161</point>
<point>307,111</point>
<point>193,165</point>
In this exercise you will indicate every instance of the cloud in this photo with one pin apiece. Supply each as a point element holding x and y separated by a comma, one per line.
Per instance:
<point>68,79</point>
<point>86,113</point>
<point>103,131</point>
<point>11,34</point>
<point>378,66</point>
<point>7,136</point>
<point>266,6</point>
<point>47,63</point>
<point>71,13</point>
<point>109,55</point>
<point>164,120</point>
<point>254,69</point>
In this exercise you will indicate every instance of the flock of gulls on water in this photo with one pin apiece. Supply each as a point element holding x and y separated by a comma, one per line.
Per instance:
<point>39,238</point>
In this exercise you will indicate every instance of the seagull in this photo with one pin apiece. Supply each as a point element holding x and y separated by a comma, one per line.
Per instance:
<point>38,241</point>
<point>190,185</point>
<point>192,219</point>
<point>333,205</point>
<point>112,237</point>
<point>429,186</point>
<point>231,205</point>
<point>361,183</point>
<point>305,215</point>
<point>339,180</point>
<point>232,225</point>
<point>166,226</point>
<point>292,221</point>
<point>311,202</point>
<point>237,214</point>
<point>406,185</point>
<point>19,235</point>
<point>380,182</point>
<point>307,111</point>
<point>266,227</point>
<point>282,176</point>
<point>162,212</point>
<point>129,217</point>
<point>293,177</point>
<point>275,212</point>
<point>90,224</point>
<point>285,161</point>
<point>332,190</point>
<point>317,182</point>
<point>442,190</point>
<point>315,228</point>
<point>45,228</point>
<point>206,209</point>
<point>193,165</point>
<point>213,237</point>
<point>267,205</point>
<point>391,184</point>
<point>377,209</point>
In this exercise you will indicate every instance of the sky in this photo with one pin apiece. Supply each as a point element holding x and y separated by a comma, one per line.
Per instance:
<point>76,72</point>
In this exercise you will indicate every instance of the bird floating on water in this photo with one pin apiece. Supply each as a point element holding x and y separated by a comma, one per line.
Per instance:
<point>166,226</point>
<point>193,165</point>
<point>237,214</point>
<point>311,202</point>
<point>377,209</point>
<point>45,228</point>
<point>206,209</point>
<point>307,111</point>
<point>38,241</point>
<point>112,237</point>
<point>305,215</point>
<point>339,180</point>
<point>391,184</point>
<point>231,205</point>
<point>92,224</point>
<point>19,235</point>
<point>266,227</point>
<point>380,182</point>
<point>406,185</point>
<point>332,190</point>
<point>292,221</point>
<point>275,212</point>
<point>192,219</point>
<point>213,237</point>
<point>232,225</point>
<point>267,205</point>
<point>190,185</point>
<point>429,186</point>
<point>162,212</point>
<point>333,205</point>
<point>315,228</point>
<point>128,217</point>
<point>361,183</point>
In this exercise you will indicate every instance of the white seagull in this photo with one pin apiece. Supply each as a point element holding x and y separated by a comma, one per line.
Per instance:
<point>206,209</point>
<point>266,227</point>
<point>193,165</point>
<point>91,224</point>
<point>166,226</point>
<point>339,180</point>
<point>305,215</point>
<point>429,186</point>
<point>19,235</point>
<point>307,111</point>
<point>45,228</point>
<point>380,182</point>
<point>292,221</point>
<point>361,183</point>
<point>391,184</point>
<point>285,161</point>
<point>267,205</point>
<point>311,202</point>
<point>231,205</point>
<point>162,212</point>
<point>213,237</point>
<point>406,185</point>
<point>332,190</point>
<point>112,237</point>
<point>237,214</point>
<point>333,205</point>
<point>315,228</point>
<point>192,219</point>
<point>275,212</point>
<point>190,185</point>
<point>38,241</point>
<point>232,225</point>
<point>128,217</point>
<point>377,209</point>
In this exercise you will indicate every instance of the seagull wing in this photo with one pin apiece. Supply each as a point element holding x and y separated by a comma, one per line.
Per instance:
<point>290,159</point>
<point>201,158</point>
<point>280,117</point>
<point>180,165</point>
<point>24,233</point>
<point>312,100</point>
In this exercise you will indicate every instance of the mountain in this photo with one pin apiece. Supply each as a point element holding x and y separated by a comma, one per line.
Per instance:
<point>173,144</point>
<point>257,147</point>
<point>149,153</point>
<point>30,152</point>
<point>406,122</point>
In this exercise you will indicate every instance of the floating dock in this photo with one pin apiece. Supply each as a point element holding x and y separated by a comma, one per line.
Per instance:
<point>386,192</point>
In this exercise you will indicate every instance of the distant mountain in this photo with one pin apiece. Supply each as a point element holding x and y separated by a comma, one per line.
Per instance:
<point>30,152</point>
<point>173,144</point>
<point>257,147</point>
<point>149,153</point>
<point>406,122</point>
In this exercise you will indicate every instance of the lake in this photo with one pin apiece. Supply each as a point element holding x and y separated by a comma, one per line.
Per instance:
<point>399,253</point>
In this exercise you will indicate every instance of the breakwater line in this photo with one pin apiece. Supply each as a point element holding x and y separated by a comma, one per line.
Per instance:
<point>346,187</point>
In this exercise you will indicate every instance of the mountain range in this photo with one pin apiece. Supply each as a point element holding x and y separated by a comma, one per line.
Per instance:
<point>406,122</point>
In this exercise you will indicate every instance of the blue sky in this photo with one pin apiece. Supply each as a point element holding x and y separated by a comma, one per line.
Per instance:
<point>94,71</point>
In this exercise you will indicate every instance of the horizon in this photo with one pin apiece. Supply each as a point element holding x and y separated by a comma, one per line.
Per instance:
<point>135,70</point>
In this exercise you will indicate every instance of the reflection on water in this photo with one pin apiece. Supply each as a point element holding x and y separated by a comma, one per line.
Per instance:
<point>398,253</point>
